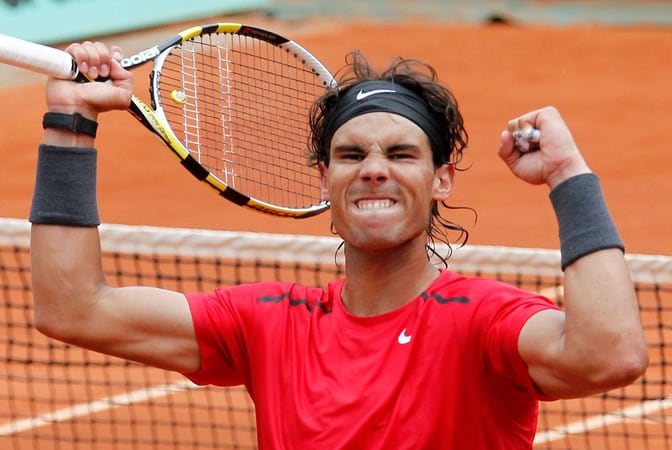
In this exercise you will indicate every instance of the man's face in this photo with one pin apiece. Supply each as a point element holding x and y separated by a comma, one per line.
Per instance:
<point>381,181</point>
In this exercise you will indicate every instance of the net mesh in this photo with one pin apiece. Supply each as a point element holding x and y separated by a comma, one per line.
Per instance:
<point>55,396</point>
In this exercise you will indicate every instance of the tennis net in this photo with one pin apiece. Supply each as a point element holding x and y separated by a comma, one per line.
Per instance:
<point>57,396</point>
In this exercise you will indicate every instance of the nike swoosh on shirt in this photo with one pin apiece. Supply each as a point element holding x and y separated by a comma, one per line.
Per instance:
<point>361,95</point>
<point>404,338</point>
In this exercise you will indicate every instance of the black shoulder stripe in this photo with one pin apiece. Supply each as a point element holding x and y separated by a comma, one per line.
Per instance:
<point>293,302</point>
<point>442,300</point>
<point>270,299</point>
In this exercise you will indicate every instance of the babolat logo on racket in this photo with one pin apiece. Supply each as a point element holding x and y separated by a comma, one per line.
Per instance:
<point>263,35</point>
<point>141,57</point>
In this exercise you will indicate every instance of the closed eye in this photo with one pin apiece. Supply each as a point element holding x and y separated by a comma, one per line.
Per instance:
<point>349,153</point>
<point>352,156</point>
<point>394,153</point>
<point>399,152</point>
<point>402,155</point>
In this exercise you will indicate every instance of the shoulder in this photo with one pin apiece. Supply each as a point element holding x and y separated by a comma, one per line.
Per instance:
<point>482,295</point>
<point>251,296</point>
<point>473,288</point>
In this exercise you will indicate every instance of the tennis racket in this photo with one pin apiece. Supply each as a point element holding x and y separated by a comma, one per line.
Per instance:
<point>230,101</point>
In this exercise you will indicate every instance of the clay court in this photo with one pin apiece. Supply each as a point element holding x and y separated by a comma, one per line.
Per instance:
<point>612,84</point>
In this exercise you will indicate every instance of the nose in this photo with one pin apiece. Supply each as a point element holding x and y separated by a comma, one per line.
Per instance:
<point>374,168</point>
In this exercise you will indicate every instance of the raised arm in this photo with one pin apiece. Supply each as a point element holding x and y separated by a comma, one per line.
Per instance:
<point>597,343</point>
<point>73,303</point>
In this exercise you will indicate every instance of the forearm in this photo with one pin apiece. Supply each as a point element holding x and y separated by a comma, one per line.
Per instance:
<point>604,343</point>
<point>66,261</point>
<point>603,339</point>
<point>67,277</point>
<point>597,343</point>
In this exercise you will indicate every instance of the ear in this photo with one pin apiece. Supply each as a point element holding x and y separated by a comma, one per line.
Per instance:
<point>324,182</point>
<point>443,182</point>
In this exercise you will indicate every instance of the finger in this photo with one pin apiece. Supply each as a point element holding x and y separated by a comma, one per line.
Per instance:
<point>90,59</point>
<point>116,52</point>
<point>104,58</point>
<point>80,56</point>
<point>93,58</point>
<point>506,146</point>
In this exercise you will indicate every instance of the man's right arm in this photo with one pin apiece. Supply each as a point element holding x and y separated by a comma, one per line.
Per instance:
<point>73,303</point>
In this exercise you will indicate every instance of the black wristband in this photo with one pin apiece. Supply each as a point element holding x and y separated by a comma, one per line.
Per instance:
<point>74,122</point>
<point>584,222</point>
<point>65,187</point>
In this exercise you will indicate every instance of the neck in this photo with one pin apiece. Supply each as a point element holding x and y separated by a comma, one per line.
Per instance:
<point>381,281</point>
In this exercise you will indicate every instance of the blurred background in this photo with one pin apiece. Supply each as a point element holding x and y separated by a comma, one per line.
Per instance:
<point>54,21</point>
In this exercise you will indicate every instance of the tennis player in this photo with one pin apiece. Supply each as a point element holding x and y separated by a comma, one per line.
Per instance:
<point>399,354</point>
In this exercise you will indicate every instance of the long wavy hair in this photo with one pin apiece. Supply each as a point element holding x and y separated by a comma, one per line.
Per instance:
<point>422,79</point>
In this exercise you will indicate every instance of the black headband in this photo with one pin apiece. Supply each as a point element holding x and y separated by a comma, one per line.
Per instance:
<point>385,96</point>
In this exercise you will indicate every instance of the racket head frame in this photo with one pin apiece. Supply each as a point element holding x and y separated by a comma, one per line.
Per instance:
<point>155,119</point>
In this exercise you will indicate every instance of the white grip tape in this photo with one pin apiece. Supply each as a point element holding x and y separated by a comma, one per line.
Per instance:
<point>37,58</point>
<point>525,135</point>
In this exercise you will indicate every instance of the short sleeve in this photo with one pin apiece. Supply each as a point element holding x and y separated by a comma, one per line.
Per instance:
<point>222,321</point>
<point>509,311</point>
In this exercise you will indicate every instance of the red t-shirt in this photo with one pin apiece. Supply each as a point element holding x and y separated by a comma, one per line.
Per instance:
<point>441,372</point>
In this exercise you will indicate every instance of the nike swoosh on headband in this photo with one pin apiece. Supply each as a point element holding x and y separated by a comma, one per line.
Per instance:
<point>361,95</point>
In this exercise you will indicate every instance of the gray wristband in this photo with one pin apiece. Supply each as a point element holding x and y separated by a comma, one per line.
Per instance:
<point>65,187</point>
<point>584,222</point>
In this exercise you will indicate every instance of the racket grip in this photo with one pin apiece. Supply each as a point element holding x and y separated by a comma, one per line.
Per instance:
<point>527,138</point>
<point>37,58</point>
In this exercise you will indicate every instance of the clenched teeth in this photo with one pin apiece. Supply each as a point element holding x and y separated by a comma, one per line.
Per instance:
<point>374,204</point>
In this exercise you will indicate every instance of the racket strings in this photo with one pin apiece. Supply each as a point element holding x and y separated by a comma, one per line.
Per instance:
<point>240,106</point>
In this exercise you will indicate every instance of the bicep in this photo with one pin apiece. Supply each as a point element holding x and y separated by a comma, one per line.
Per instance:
<point>557,372</point>
<point>144,324</point>
<point>541,345</point>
